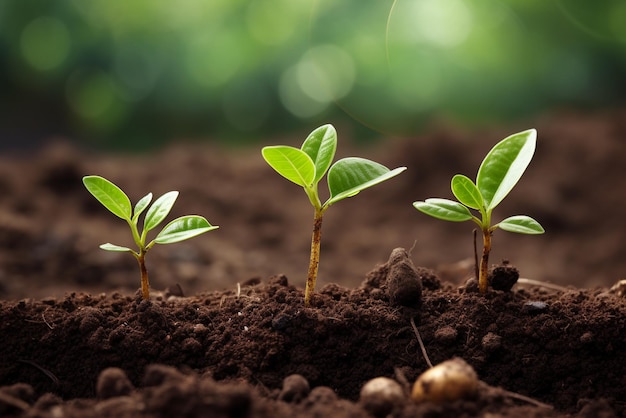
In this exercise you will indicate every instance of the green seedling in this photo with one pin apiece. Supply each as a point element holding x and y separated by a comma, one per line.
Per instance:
<point>305,166</point>
<point>118,203</point>
<point>498,174</point>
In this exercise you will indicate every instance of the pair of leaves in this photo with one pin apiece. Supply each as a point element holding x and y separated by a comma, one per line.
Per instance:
<point>118,203</point>
<point>499,172</point>
<point>307,165</point>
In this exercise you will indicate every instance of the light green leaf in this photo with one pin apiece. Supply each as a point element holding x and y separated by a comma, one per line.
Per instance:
<point>521,224</point>
<point>504,165</point>
<point>321,145</point>
<point>292,163</point>
<point>349,176</point>
<point>112,247</point>
<point>159,210</point>
<point>183,228</point>
<point>466,191</point>
<point>111,196</point>
<point>445,209</point>
<point>141,206</point>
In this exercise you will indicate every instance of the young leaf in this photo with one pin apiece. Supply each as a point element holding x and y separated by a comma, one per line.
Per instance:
<point>292,163</point>
<point>504,165</point>
<point>111,196</point>
<point>445,209</point>
<point>141,206</point>
<point>466,191</point>
<point>321,145</point>
<point>159,210</point>
<point>183,228</point>
<point>349,176</point>
<point>521,224</point>
<point>112,247</point>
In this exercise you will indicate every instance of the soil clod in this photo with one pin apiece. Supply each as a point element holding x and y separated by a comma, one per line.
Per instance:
<point>404,285</point>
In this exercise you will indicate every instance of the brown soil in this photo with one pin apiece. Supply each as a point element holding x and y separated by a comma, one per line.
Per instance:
<point>79,342</point>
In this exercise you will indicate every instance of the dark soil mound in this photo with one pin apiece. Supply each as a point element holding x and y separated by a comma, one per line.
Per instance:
<point>84,344</point>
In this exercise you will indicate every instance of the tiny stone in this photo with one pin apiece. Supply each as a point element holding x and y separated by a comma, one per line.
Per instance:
<point>295,389</point>
<point>491,342</point>
<point>446,334</point>
<point>113,382</point>
<point>380,395</point>
<point>587,337</point>
<point>322,395</point>
<point>534,307</point>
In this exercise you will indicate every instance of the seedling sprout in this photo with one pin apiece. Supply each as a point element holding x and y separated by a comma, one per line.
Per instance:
<point>118,203</point>
<point>307,165</point>
<point>498,174</point>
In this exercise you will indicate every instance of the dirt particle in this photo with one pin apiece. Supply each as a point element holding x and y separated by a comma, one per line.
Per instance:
<point>491,342</point>
<point>321,395</point>
<point>404,285</point>
<point>503,277</point>
<point>587,337</point>
<point>279,280</point>
<point>113,382</point>
<point>446,334</point>
<point>295,389</point>
<point>191,345</point>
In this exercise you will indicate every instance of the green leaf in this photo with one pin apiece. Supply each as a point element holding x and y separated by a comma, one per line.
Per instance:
<point>466,191</point>
<point>445,209</point>
<point>321,145</point>
<point>349,176</point>
<point>141,206</point>
<point>112,247</point>
<point>292,163</point>
<point>111,196</point>
<point>521,224</point>
<point>504,165</point>
<point>183,228</point>
<point>159,210</point>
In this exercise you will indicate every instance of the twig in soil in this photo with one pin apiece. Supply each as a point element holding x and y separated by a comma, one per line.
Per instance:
<point>44,320</point>
<point>48,373</point>
<point>533,282</point>
<point>421,343</point>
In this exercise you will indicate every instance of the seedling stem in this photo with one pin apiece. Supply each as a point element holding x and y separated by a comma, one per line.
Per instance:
<point>305,166</point>
<point>118,203</point>
<point>498,174</point>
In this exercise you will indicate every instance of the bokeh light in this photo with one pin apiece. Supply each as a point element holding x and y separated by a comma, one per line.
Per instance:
<point>226,69</point>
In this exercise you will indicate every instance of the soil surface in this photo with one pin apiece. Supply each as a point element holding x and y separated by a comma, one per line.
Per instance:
<point>226,332</point>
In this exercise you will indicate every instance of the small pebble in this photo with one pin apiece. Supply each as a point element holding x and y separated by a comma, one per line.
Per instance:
<point>491,342</point>
<point>448,381</point>
<point>295,389</point>
<point>534,307</point>
<point>380,395</point>
<point>113,382</point>
<point>446,334</point>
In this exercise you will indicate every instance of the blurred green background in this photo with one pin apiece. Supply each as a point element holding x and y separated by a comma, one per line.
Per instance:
<point>136,74</point>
